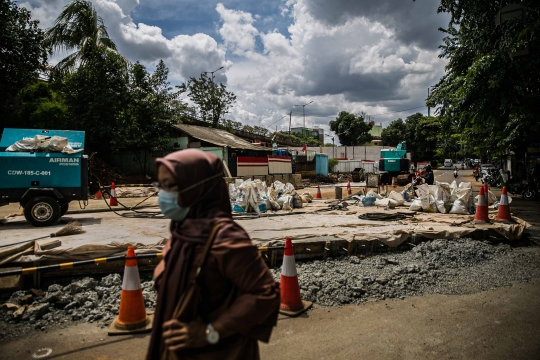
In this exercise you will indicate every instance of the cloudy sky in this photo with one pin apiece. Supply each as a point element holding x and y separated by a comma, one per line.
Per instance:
<point>379,57</point>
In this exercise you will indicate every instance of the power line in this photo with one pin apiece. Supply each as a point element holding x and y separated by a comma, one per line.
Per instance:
<point>393,112</point>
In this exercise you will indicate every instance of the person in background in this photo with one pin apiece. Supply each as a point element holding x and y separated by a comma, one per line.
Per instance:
<point>239,299</point>
<point>429,178</point>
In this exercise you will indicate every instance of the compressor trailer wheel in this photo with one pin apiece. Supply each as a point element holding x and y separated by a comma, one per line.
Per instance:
<point>42,211</point>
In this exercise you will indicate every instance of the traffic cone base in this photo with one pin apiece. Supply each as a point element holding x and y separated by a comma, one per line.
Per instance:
<point>481,214</point>
<point>291,303</point>
<point>132,318</point>
<point>112,200</point>
<point>98,195</point>
<point>504,208</point>
<point>318,196</point>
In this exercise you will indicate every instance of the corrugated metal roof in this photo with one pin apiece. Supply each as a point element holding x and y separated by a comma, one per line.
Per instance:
<point>219,137</point>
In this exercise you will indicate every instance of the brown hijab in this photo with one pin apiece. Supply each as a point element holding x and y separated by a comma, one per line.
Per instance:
<point>200,175</point>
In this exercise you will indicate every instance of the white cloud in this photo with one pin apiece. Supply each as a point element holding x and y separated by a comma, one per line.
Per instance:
<point>237,30</point>
<point>340,59</point>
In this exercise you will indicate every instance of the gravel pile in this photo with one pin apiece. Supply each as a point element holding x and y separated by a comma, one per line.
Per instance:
<point>441,266</point>
<point>459,266</point>
<point>88,300</point>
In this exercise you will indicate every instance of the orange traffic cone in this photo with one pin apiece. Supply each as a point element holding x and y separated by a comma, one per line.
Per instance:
<point>349,190</point>
<point>318,196</point>
<point>132,318</point>
<point>98,195</point>
<point>393,182</point>
<point>504,209</point>
<point>112,200</point>
<point>481,215</point>
<point>291,304</point>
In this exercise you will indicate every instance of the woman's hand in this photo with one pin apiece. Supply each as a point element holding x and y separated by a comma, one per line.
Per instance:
<point>178,335</point>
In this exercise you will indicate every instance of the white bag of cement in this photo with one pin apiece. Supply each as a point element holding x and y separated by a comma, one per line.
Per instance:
<point>453,187</point>
<point>272,200</point>
<point>374,194</point>
<point>289,188</point>
<point>459,207</point>
<point>306,197</point>
<point>390,203</point>
<point>440,206</point>
<point>463,194</point>
<point>287,202</point>
<point>491,197</point>
<point>422,190</point>
<point>416,205</point>
<point>278,185</point>
<point>397,197</point>
<point>428,204</point>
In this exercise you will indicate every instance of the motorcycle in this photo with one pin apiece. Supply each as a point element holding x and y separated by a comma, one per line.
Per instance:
<point>476,174</point>
<point>527,188</point>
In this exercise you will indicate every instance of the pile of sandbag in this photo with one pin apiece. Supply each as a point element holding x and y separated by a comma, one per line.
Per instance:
<point>255,196</point>
<point>444,198</point>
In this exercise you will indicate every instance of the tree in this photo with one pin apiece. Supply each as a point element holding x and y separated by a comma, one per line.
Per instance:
<point>422,136</point>
<point>394,133</point>
<point>150,112</point>
<point>80,28</point>
<point>351,129</point>
<point>488,91</point>
<point>42,107</point>
<point>213,101</point>
<point>21,54</point>
<point>97,96</point>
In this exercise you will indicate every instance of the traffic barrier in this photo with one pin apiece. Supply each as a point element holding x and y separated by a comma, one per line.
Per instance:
<point>291,303</point>
<point>318,196</point>
<point>97,261</point>
<point>481,215</point>
<point>504,208</point>
<point>113,200</point>
<point>132,318</point>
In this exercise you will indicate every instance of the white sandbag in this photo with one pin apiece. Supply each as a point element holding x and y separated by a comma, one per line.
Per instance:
<point>465,185</point>
<point>453,187</point>
<point>241,204</point>
<point>440,206</point>
<point>416,205</point>
<point>287,202</point>
<point>459,207</point>
<point>278,185</point>
<point>422,190</point>
<point>398,197</point>
<point>289,188</point>
<point>491,197</point>
<point>306,197</point>
<point>390,203</point>
<point>374,194</point>
<point>428,204</point>
<point>272,200</point>
<point>462,194</point>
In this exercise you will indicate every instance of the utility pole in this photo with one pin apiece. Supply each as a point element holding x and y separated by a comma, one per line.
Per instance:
<point>304,111</point>
<point>428,106</point>
<point>213,91</point>
<point>290,120</point>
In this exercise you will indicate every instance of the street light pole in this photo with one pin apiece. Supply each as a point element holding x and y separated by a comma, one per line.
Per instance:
<point>304,112</point>
<point>213,90</point>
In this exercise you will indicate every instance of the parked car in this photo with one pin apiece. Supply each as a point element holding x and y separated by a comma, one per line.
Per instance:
<point>486,167</point>
<point>448,163</point>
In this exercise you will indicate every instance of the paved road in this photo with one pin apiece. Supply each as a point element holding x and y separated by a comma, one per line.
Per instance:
<point>496,324</point>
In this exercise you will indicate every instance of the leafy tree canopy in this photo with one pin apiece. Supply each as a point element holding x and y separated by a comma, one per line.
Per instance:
<point>491,87</point>
<point>394,133</point>
<point>79,28</point>
<point>21,54</point>
<point>213,101</point>
<point>351,129</point>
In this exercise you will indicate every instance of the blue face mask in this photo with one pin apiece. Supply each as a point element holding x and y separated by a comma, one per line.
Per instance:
<point>168,203</point>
